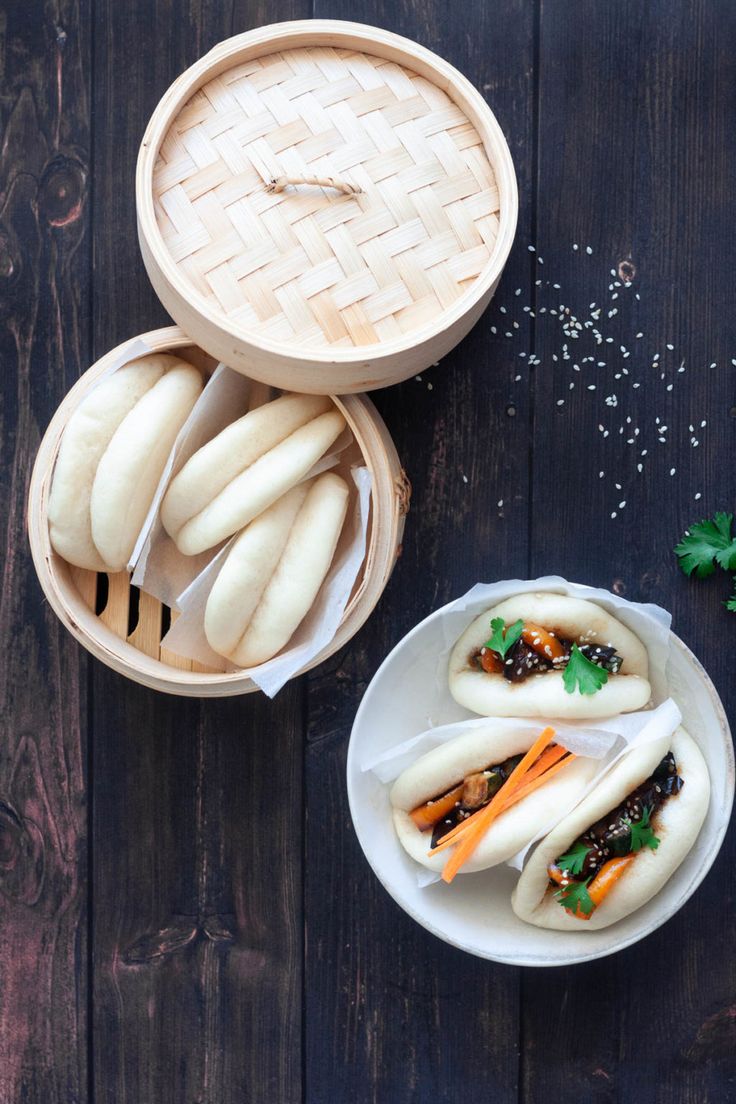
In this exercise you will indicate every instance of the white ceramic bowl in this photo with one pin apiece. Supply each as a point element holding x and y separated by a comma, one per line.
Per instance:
<point>475,913</point>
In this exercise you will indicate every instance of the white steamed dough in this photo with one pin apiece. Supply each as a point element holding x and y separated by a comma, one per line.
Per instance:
<point>446,766</point>
<point>676,823</point>
<point>274,570</point>
<point>86,438</point>
<point>544,695</point>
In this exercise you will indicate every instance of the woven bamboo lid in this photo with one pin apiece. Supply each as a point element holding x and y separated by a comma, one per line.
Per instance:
<point>387,245</point>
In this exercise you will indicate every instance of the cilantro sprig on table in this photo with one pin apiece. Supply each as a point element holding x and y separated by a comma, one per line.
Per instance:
<point>708,543</point>
<point>580,674</point>
<point>502,638</point>
<point>642,833</point>
<point>574,861</point>
<point>576,898</point>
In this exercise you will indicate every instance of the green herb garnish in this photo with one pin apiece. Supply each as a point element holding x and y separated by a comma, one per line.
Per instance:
<point>731,603</point>
<point>642,834</point>
<point>705,542</point>
<point>503,638</point>
<point>574,860</point>
<point>576,898</point>
<point>583,675</point>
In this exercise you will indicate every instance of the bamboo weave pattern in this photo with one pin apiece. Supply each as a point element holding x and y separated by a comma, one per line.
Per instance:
<point>308,266</point>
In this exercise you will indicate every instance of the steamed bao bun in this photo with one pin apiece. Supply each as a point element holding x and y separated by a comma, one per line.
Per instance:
<point>112,455</point>
<point>273,572</point>
<point>544,695</point>
<point>676,823</point>
<point>446,766</point>
<point>247,467</point>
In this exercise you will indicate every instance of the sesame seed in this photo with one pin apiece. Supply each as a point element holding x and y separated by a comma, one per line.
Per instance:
<point>672,471</point>
<point>588,250</point>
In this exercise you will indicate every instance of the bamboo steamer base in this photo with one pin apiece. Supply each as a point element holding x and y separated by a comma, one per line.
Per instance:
<point>123,626</point>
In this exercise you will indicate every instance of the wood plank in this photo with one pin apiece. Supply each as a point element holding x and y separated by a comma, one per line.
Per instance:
<point>391,1012</point>
<point>44,273</point>
<point>635,160</point>
<point>196,861</point>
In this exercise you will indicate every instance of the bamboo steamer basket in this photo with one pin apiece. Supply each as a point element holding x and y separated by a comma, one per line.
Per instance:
<point>123,626</point>
<point>389,242</point>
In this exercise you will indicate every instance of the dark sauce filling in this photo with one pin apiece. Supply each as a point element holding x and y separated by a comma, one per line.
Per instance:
<point>611,835</point>
<point>495,778</point>
<point>522,660</point>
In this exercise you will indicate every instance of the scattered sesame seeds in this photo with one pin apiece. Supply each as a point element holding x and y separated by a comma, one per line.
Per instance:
<point>588,250</point>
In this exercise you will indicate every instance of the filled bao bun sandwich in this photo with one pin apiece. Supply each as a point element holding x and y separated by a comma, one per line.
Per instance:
<point>549,655</point>
<point>478,799</point>
<point>622,843</point>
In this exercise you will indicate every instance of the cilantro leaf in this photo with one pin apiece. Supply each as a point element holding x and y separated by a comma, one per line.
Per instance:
<point>642,834</point>
<point>731,603</point>
<point>580,673</point>
<point>576,898</point>
<point>706,541</point>
<point>503,638</point>
<point>574,860</point>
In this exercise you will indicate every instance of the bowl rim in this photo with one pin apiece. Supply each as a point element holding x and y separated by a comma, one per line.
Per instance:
<point>273,37</point>
<point>562,960</point>
<point>117,652</point>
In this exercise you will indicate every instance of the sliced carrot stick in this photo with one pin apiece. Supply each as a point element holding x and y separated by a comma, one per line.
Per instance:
<point>604,881</point>
<point>533,780</point>
<point>426,816</point>
<point>543,642</point>
<point>488,814</point>
<point>530,786</point>
<point>503,796</point>
<point>490,662</point>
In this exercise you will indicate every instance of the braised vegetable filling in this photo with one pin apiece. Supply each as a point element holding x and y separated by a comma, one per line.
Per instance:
<point>588,871</point>
<point>443,813</point>
<point>523,649</point>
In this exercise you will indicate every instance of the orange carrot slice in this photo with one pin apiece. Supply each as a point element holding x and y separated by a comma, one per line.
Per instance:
<point>544,765</point>
<point>556,875</point>
<point>488,814</point>
<point>543,642</point>
<point>529,786</point>
<point>604,881</point>
<point>426,816</point>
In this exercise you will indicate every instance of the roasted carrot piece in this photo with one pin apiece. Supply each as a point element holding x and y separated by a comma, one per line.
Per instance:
<point>426,816</point>
<point>488,814</point>
<point>604,881</point>
<point>556,875</point>
<point>543,642</point>
<point>490,662</point>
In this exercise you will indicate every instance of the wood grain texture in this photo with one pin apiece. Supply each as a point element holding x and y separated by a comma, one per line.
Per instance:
<point>634,161</point>
<point>197,931</point>
<point>44,282</point>
<point>386,1004</point>
<point>242,950</point>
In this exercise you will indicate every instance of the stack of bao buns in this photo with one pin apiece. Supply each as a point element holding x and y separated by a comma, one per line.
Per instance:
<point>484,795</point>
<point>251,481</point>
<point>491,694</point>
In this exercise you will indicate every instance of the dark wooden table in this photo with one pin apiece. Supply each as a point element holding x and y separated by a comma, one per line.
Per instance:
<point>203,927</point>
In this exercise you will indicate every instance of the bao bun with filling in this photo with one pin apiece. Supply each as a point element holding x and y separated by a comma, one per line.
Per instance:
<point>446,766</point>
<point>544,695</point>
<point>247,467</point>
<point>111,457</point>
<point>273,571</point>
<point>676,823</point>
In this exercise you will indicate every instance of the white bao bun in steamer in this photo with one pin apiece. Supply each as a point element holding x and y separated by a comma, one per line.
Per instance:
<point>446,766</point>
<point>544,695</point>
<point>274,570</point>
<point>246,468</point>
<point>111,457</point>
<point>676,823</point>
